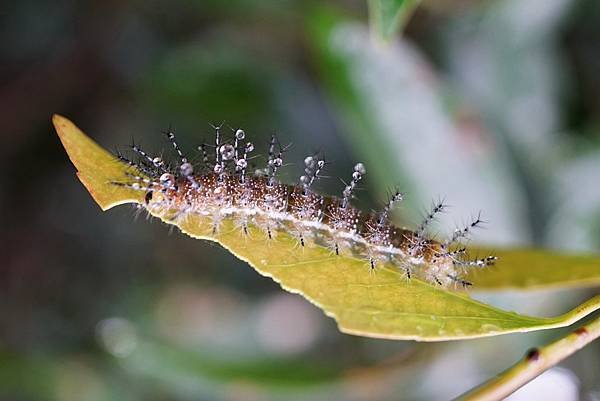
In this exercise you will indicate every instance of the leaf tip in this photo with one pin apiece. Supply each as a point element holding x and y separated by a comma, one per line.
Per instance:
<point>95,167</point>
<point>60,123</point>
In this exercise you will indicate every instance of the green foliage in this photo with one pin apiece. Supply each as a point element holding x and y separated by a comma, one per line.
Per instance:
<point>388,16</point>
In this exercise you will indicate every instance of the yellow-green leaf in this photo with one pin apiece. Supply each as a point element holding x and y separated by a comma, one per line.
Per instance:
<point>382,304</point>
<point>96,167</point>
<point>536,268</point>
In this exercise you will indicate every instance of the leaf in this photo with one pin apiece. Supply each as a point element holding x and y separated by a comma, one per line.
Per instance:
<point>388,16</point>
<point>382,304</point>
<point>96,167</point>
<point>535,268</point>
<point>168,363</point>
<point>351,98</point>
<point>351,111</point>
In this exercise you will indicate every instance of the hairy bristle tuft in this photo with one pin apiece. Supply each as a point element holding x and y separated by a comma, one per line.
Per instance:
<point>220,186</point>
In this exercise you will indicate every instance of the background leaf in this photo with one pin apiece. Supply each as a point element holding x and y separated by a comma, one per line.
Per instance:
<point>382,305</point>
<point>388,16</point>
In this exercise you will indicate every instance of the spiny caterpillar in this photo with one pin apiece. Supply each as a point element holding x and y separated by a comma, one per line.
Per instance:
<point>221,187</point>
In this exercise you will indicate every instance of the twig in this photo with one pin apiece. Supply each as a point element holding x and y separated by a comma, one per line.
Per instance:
<point>535,362</point>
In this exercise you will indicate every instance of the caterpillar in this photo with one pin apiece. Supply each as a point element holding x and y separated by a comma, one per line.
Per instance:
<point>221,186</point>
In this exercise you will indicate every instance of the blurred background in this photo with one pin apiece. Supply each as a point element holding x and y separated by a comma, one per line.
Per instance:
<point>492,105</point>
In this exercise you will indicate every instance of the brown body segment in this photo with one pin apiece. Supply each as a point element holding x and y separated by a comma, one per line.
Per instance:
<point>218,191</point>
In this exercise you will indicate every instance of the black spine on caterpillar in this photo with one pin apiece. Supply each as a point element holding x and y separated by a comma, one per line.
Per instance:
<point>227,189</point>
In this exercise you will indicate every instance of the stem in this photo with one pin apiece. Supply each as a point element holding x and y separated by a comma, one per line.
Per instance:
<point>535,362</point>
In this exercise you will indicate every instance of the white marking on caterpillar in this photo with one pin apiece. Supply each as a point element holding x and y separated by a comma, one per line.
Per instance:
<point>221,188</point>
